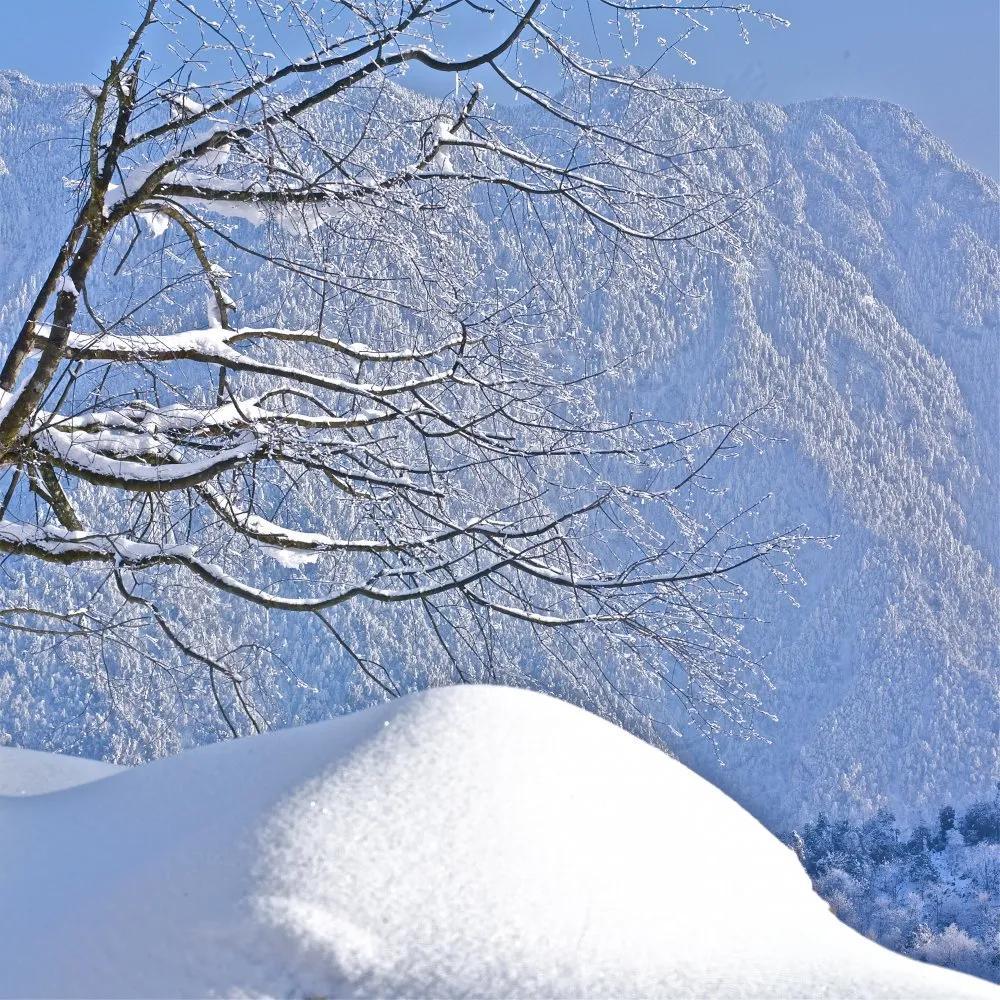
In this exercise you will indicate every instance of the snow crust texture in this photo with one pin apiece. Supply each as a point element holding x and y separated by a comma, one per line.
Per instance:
<point>461,842</point>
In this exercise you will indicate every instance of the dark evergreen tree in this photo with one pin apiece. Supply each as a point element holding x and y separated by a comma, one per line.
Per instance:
<point>981,822</point>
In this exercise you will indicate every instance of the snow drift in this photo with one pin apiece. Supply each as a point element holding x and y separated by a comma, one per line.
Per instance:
<point>31,772</point>
<point>466,841</point>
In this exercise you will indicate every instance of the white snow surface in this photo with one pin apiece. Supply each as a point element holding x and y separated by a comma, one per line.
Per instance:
<point>462,841</point>
<point>33,772</point>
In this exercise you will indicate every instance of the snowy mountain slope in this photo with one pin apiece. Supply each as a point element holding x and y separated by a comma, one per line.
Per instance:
<point>869,311</point>
<point>871,315</point>
<point>418,850</point>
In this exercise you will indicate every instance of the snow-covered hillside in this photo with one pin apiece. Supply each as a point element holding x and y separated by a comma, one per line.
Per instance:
<point>868,310</point>
<point>871,315</point>
<point>464,841</point>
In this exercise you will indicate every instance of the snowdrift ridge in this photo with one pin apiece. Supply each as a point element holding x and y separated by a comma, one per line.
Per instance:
<point>463,841</point>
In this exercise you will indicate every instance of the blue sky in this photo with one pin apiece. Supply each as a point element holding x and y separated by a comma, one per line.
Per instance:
<point>939,58</point>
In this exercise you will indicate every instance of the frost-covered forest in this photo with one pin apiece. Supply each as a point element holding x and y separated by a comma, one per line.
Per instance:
<point>931,892</point>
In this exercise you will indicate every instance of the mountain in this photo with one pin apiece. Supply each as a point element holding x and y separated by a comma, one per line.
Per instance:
<point>865,307</point>
<point>360,861</point>
<point>870,315</point>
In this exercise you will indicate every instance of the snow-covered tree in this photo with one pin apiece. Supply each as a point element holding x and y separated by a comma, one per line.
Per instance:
<point>403,415</point>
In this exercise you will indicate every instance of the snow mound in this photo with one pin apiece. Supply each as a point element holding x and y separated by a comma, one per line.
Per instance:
<point>32,772</point>
<point>464,841</point>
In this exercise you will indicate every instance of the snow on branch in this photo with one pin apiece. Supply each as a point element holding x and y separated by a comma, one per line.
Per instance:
<point>212,343</point>
<point>414,413</point>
